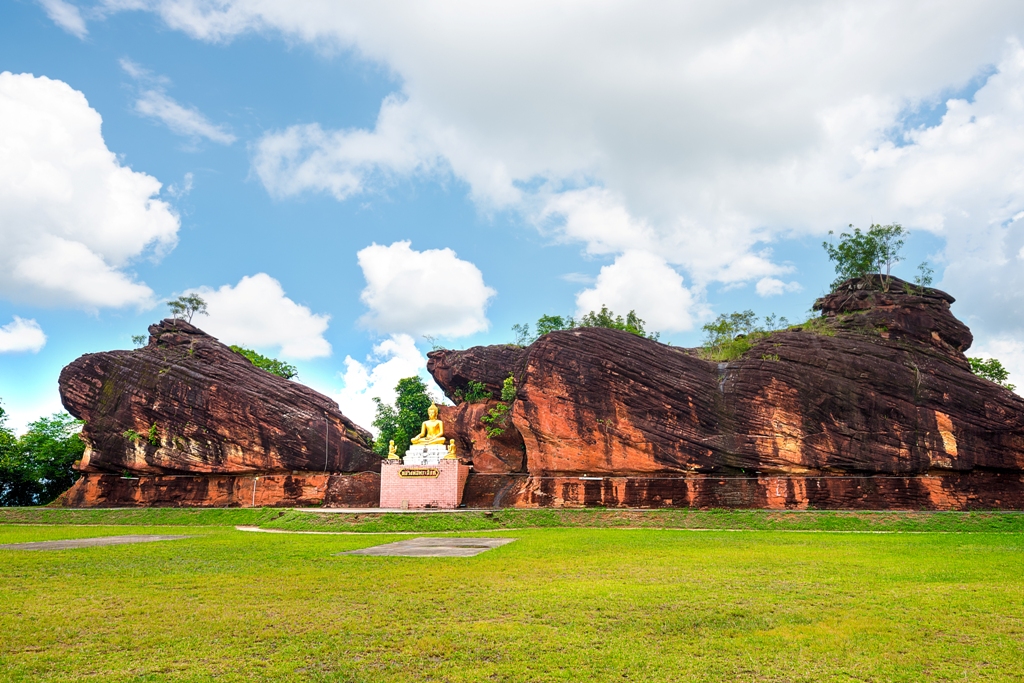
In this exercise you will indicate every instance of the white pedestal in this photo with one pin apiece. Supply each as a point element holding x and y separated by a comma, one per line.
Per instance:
<point>425,455</point>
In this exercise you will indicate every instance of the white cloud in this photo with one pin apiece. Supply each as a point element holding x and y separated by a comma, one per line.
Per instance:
<point>72,218</point>
<point>422,292</point>
<point>65,15</point>
<point>695,132</point>
<point>155,103</point>
<point>770,286</point>
<point>642,282</point>
<point>256,313</point>
<point>393,359</point>
<point>21,335</point>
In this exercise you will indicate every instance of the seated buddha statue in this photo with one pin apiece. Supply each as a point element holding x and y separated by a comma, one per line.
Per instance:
<point>432,431</point>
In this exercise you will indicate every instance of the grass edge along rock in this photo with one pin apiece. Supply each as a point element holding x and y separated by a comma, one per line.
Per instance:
<point>518,518</point>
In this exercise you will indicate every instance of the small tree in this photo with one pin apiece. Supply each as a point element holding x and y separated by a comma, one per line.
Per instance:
<point>992,370</point>
<point>271,365</point>
<point>859,254</point>
<point>184,307</point>
<point>401,421</point>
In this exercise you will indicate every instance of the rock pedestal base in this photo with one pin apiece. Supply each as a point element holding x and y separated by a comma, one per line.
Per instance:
<point>416,486</point>
<point>296,489</point>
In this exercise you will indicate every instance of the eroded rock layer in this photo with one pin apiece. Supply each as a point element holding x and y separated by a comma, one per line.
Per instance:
<point>220,490</point>
<point>877,387</point>
<point>187,404</point>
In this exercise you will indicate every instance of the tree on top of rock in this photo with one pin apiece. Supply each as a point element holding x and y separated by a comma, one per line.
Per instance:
<point>184,307</point>
<point>859,254</point>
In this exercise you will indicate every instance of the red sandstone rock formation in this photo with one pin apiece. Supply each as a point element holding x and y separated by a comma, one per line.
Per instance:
<point>880,388</point>
<point>187,405</point>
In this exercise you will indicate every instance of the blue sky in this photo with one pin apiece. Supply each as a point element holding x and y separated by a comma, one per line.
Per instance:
<point>677,162</point>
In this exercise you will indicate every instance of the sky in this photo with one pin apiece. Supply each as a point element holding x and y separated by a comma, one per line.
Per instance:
<point>350,184</point>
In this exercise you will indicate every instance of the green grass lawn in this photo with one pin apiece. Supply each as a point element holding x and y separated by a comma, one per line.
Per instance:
<point>559,604</point>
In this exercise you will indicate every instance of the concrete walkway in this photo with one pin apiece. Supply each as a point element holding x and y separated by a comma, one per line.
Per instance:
<point>89,542</point>
<point>433,547</point>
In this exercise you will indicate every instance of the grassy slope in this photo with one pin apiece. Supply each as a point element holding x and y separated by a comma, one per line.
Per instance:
<point>556,605</point>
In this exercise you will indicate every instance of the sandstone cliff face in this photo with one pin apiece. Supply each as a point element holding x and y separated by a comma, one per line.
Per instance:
<point>186,403</point>
<point>880,387</point>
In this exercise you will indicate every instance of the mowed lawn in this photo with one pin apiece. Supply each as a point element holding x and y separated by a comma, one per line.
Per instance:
<point>556,605</point>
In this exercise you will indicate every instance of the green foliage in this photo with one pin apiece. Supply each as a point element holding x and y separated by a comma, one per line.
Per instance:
<point>271,365</point>
<point>154,436</point>
<point>924,275</point>
<point>496,419</point>
<point>861,253</point>
<point>184,307</point>
<point>131,435</point>
<point>632,323</point>
<point>403,420</point>
<point>992,370</point>
<point>731,335</point>
<point>36,468</point>
<point>508,389</point>
<point>815,324</point>
<point>474,392</point>
<point>139,340</point>
<point>553,323</point>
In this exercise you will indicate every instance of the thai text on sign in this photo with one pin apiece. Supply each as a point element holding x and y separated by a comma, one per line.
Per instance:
<point>418,472</point>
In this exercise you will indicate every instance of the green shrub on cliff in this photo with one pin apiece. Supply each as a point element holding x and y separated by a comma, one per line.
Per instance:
<point>631,323</point>
<point>271,365</point>
<point>992,370</point>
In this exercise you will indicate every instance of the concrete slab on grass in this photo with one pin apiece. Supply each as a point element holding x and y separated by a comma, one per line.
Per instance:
<point>433,547</point>
<point>89,542</point>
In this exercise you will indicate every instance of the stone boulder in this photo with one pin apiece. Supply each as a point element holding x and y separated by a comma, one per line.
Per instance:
<point>876,387</point>
<point>186,404</point>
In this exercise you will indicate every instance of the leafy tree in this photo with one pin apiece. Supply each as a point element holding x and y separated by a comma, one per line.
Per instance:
<point>992,370</point>
<point>401,421</point>
<point>731,335</point>
<point>52,446</point>
<point>139,340</point>
<point>271,365</point>
<point>632,323</point>
<point>553,323</point>
<point>184,307</point>
<point>36,468</point>
<point>522,334</point>
<point>859,254</point>
<point>17,487</point>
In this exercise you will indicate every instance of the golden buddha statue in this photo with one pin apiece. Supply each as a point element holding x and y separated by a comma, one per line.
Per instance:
<point>392,451</point>
<point>452,455</point>
<point>432,431</point>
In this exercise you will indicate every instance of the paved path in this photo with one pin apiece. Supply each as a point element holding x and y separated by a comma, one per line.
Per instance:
<point>433,547</point>
<point>89,542</point>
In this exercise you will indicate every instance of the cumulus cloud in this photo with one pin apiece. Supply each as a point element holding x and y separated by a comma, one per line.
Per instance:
<point>65,15</point>
<point>643,282</point>
<point>770,286</point>
<point>72,218</point>
<point>404,291</point>
<point>21,335</point>
<point>392,359</point>
<point>256,313</point>
<point>154,102</point>
<point>696,133</point>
